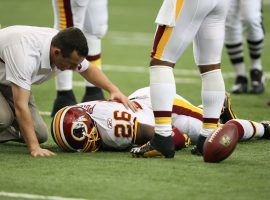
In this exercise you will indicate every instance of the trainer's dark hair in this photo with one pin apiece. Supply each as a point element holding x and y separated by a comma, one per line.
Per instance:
<point>71,39</point>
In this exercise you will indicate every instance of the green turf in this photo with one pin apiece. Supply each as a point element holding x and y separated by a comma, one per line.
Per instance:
<point>115,175</point>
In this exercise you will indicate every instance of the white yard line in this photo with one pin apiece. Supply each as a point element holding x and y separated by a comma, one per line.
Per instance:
<point>145,69</point>
<point>34,196</point>
<point>45,113</point>
<point>193,76</point>
<point>130,38</point>
<point>139,38</point>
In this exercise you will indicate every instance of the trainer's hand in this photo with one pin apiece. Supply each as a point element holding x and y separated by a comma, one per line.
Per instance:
<point>41,152</point>
<point>118,95</point>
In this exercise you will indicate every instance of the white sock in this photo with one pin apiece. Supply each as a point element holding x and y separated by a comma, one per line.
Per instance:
<point>162,91</point>
<point>63,80</point>
<point>94,45</point>
<point>240,69</point>
<point>213,94</point>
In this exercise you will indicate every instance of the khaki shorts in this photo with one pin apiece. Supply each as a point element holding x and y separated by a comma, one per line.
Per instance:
<point>9,128</point>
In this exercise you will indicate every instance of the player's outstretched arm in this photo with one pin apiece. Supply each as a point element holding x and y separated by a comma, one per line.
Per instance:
<point>21,99</point>
<point>144,134</point>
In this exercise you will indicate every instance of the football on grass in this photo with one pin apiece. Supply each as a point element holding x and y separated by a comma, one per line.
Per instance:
<point>220,144</point>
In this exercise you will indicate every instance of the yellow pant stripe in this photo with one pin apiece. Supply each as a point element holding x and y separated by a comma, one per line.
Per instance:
<point>167,33</point>
<point>163,41</point>
<point>62,15</point>
<point>187,105</point>
<point>179,5</point>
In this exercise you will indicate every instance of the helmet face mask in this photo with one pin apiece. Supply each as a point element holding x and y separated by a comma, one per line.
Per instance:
<point>74,130</point>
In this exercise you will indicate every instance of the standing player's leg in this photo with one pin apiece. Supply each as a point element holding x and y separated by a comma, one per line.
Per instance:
<point>171,40</point>
<point>65,95</point>
<point>234,45</point>
<point>66,14</point>
<point>94,28</point>
<point>207,47</point>
<point>252,21</point>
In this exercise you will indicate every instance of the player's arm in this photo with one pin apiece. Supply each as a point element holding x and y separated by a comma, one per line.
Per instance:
<point>99,79</point>
<point>24,117</point>
<point>146,132</point>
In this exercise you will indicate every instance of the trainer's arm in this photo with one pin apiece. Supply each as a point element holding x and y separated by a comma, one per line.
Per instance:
<point>99,79</point>
<point>24,117</point>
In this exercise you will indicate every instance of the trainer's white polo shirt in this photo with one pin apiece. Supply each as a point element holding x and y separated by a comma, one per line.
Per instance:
<point>24,52</point>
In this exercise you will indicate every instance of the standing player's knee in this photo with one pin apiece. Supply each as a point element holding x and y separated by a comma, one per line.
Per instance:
<point>251,21</point>
<point>102,31</point>
<point>99,31</point>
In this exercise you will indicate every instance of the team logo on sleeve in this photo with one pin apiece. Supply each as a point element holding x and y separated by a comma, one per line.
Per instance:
<point>109,123</point>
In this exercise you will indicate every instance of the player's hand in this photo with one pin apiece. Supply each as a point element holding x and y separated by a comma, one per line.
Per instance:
<point>41,152</point>
<point>118,95</point>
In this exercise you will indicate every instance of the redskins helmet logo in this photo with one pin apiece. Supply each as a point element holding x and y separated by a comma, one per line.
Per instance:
<point>73,129</point>
<point>78,131</point>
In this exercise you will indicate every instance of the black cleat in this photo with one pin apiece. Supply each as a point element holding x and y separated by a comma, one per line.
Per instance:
<point>198,149</point>
<point>227,113</point>
<point>266,125</point>
<point>240,85</point>
<point>195,151</point>
<point>257,81</point>
<point>145,151</point>
<point>92,94</point>
<point>158,146</point>
<point>63,98</point>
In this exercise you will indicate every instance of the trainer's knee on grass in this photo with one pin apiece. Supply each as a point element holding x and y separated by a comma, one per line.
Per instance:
<point>41,132</point>
<point>6,119</point>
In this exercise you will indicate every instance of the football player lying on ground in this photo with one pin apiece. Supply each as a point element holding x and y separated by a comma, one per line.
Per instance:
<point>103,125</point>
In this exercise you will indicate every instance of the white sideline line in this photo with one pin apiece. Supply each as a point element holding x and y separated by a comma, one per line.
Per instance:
<point>34,196</point>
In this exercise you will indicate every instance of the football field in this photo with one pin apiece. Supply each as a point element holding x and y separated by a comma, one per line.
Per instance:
<point>245,175</point>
